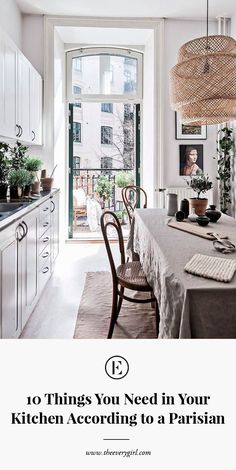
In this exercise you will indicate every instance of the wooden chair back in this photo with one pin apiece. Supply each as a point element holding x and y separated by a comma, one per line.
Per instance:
<point>109,219</point>
<point>131,196</point>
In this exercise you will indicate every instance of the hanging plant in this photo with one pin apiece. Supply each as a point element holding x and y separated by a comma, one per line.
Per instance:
<point>225,150</point>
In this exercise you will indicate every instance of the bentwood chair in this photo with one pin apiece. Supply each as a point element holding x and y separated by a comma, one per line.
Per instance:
<point>131,196</point>
<point>128,275</point>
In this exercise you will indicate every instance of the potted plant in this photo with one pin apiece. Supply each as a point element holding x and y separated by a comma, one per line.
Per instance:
<point>28,184</point>
<point>122,216</point>
<point>18,179</point>
<point>103,189</point>
<point>18,155</point>
<point>124,178</point>
<point>33,165</point>
<point>200,184</point>
<point>225,151</point>
<point>4,169</point>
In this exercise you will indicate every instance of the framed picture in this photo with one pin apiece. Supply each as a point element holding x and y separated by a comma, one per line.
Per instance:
<point>186,132</point>
<point>190,160</point>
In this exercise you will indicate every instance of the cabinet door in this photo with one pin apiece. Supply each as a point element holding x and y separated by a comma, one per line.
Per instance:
<point>10,308</point>
<point>28,255</point>
<point>35,107</point>
<point>23,97</point>
<point>8,59</point>
<point>54,227</point>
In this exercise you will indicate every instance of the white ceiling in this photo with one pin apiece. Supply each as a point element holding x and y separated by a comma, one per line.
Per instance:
<point>130,8</point>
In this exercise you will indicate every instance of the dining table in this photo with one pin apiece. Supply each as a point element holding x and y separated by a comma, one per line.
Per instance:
<point>190,306</point>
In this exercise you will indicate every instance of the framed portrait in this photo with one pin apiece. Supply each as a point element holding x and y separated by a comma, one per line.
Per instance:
<point>190,160</point>
<point>186,132</point>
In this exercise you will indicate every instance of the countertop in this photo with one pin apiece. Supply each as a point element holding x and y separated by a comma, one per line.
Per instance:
<point>27,206</point>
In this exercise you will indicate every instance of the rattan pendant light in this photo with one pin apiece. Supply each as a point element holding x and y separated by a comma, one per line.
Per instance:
<point>203,82</point>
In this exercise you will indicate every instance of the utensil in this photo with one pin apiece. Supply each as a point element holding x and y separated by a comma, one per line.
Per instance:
<point>224,246</point>
<point>53,171</point>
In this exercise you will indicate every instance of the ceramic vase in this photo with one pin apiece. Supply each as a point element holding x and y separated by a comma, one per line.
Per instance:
<point>172,207</point>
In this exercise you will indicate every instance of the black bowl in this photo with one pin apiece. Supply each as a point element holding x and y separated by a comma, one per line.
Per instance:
<point>203,220</point>
<point>180,215</point>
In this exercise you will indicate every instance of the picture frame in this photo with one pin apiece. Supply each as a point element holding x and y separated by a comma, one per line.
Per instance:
<point>191,159</point>
<point>185,132</point>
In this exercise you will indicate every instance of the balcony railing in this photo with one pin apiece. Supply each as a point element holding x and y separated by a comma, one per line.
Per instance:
<point>86,179</point>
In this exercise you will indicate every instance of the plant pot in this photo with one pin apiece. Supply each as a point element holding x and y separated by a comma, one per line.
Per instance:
<point>35,187</point>
<point>27,190</point>
<point>15,192</point>
<point>3,190</point>
<point>47,183</point>
<point>199,205</point>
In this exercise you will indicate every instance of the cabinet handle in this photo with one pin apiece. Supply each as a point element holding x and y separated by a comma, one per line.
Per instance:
<point>53,206</point>
<point>19,235</point>
<point>46,254</point>
<point>45,270</point>
<point>25,227</point>
<point>21,132</point>
<point>46,239</point>
<point>33,136</point>
<point>45,224</point>
<point>17,130</point>
<point>46,209</point>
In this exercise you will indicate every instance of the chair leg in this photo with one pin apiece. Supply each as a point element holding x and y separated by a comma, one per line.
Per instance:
<point>113,313</point>
<point>119,302</point>
<point>157,317</point>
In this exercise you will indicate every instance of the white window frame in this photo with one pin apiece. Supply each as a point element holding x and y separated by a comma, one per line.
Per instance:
<point>89,51</point>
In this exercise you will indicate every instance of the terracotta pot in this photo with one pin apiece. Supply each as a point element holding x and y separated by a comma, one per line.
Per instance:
<point>199,205</point>
<point>35,187</point>
<point>47,183</point>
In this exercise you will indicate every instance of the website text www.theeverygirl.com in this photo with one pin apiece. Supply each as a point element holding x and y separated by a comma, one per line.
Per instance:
<point>118,453</point>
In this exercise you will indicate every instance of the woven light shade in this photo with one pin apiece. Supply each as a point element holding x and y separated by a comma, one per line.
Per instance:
<point>203,83</point>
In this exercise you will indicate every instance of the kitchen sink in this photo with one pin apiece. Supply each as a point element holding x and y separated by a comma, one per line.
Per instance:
<point>11,206</point>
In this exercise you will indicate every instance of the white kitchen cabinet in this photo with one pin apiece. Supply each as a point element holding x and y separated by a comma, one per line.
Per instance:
<point>23,98</point>
<point>20,95</point>
<point>28,249</point>
<point>10,309</point>
<point>54,227</point>
<point>8,62</point>
<point>28,254</point>
<point>35,107</point>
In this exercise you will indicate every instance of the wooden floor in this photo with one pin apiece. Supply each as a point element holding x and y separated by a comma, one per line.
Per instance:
<point>56,313</point>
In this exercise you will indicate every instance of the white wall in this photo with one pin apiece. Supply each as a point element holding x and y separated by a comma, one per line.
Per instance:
<point>33,40</point>
<point>11,21</point>
<point>147,141</point>
<point>61,173</point>
<point>177,32</point>
<point>233,34</point>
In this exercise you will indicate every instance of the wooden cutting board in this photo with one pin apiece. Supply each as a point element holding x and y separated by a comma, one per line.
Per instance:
<point>195,229</point>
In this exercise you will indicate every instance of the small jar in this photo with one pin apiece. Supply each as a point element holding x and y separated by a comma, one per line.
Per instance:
<point>193,216</point>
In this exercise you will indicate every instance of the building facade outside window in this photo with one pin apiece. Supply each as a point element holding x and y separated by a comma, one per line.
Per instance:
<point>76,165</point>
<point>77,91</point>
<point>106,164</point>
<point>107,107</point>
<point>77,64</point>
<point>106,135</point>
<point>77,132</point>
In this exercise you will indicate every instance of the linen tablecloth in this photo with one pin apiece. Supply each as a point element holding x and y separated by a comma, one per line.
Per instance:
<point>190,306</point>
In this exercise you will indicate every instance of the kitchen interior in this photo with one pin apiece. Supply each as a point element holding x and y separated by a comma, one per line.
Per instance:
<point>43,272</point>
